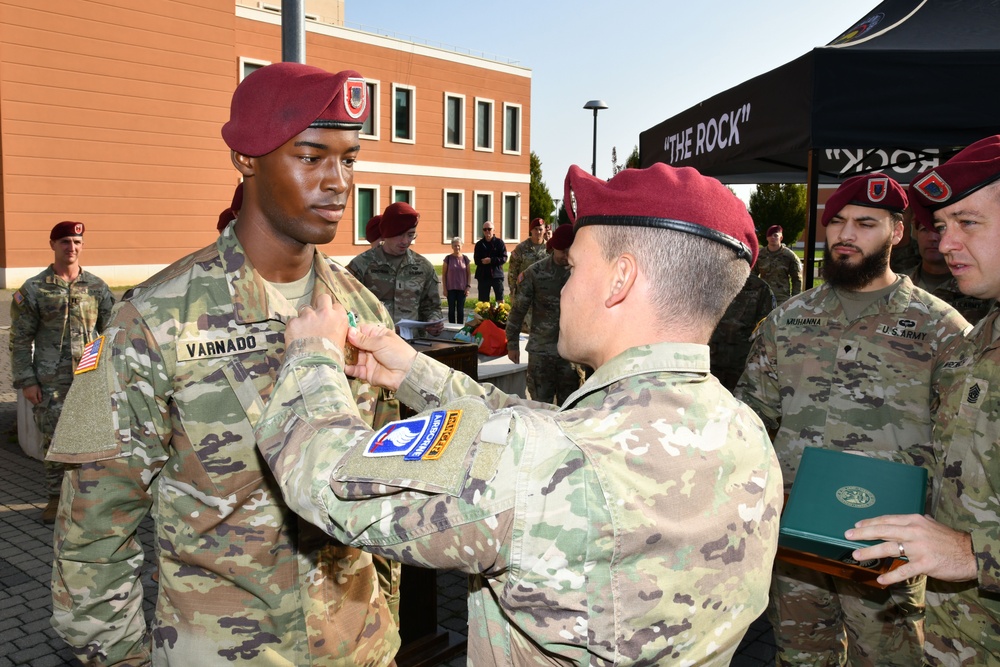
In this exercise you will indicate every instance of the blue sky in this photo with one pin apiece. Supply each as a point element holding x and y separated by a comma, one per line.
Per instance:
<point>647,59</point>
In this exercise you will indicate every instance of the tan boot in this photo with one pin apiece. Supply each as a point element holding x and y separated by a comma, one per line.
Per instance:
<point>49,513</point>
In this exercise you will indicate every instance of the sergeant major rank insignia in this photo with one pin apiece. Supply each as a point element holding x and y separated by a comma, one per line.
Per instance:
<point>424,437</point>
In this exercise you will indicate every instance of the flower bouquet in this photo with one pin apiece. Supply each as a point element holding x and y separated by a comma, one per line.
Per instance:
<point>495,312</point>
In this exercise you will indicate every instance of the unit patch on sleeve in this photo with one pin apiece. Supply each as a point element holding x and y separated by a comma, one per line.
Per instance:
<point>424,437</point>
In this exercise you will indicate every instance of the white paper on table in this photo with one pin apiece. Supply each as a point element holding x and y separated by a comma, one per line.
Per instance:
<point>409,328</point>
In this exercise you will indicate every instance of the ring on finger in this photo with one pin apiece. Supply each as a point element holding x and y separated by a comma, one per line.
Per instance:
<point>902,551</point>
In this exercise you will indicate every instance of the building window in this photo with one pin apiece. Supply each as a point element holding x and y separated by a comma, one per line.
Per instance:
<point>510,215</point>
<point>403,195</point>
<point>248,65</point>
<point>404,118</point>
<point>484,212</point>
<point>453,209</point>
<point>454,120</point>
<point>365,206</point>
<point>369,130</point>
<point>512,128</point>
<point>484,125</point>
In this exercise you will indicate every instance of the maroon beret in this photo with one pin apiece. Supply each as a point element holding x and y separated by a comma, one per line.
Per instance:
<point>870,190</point>
<point>774,228</point>
<point>373,230</point>
<point>975,167</point>
<point>536,222</point>
<point>276,102</point>
<point>922,216</point>
<point>664,197</point>
<point>230,213</point>
<point>66,228</point>
<point>562,238</point>
<point>397,219</point>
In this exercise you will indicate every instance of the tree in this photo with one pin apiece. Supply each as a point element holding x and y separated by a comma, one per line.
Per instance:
<point>631,162</point>
<point>540,204</point>
<point>779,204</point>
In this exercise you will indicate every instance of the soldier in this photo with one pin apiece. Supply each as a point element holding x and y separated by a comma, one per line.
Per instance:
<point>163,422</point>
<point>851,365</point>
<point>958,548</point>
<point>527,252</point>
<point>550,378</point>
<point>53,317</point>
<point>402,280</point>
<point>932,272</point>
<point>779,266</point>
<point>730,342</point>
<point>636,524</point>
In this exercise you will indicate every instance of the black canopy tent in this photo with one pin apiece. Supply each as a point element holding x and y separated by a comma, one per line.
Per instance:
<point>913,81</point>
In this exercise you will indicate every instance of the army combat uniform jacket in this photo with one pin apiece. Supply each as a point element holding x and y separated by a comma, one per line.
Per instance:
<point>524,254</point>
<point>865,385</point>
<point>165,421</point>
<point>635,525</point>
<point>409,291</point>
<point>779,269</point>
<point>59,319</point>
<point>538,296</point>
<point>963,619</point>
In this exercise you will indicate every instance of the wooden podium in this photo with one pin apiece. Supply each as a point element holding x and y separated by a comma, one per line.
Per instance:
<point>425,643</point>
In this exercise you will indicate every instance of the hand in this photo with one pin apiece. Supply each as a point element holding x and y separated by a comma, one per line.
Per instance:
<point>514,355</point>
<point>932,548</point>
<point>324,319</point>
<point>436,328</point>
<point>33,394</point>
<point>486,260</point>
<point>384,358</point>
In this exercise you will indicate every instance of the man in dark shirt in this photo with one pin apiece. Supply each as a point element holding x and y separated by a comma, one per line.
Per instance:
<point>490,255</point>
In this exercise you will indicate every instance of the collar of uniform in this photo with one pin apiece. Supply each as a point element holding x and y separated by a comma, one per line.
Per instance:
<point>51,277</point>
<point>383,257</point>
<point>899,298</point>
<point>253,299</point>
<point>642,360</point>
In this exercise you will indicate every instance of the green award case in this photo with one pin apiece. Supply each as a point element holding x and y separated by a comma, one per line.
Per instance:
<point>832,491</point>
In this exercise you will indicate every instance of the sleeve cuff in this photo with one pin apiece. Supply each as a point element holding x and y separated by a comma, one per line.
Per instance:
<point>986,548</point>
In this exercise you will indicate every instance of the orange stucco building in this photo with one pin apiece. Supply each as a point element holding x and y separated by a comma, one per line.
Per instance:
<point>110,113</point>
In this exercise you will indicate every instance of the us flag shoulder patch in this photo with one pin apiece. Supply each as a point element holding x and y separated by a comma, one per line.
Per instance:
<point>91,355</point>
<point>18,297</point>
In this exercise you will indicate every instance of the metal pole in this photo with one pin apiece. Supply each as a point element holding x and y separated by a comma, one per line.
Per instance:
<point>812,201</point>
<point>293,31</point>
<point>593,163</point>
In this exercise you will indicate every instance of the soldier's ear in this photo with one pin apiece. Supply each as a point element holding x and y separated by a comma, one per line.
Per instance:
<point>244,163</point>
<point>622,275</point>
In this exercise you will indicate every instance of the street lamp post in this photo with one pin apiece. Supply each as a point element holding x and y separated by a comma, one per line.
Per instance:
<point>596,105</point>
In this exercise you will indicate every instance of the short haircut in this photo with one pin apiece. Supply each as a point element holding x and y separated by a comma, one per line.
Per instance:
<point>455,238</point>
<point>696,278</point>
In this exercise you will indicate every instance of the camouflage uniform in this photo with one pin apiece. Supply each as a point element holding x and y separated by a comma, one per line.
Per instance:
<point>971,308</point>
<point>730,342</point>
<point>778,268</point>
<point>522,256</point>
<point>865,385</point>
<point>635,525</point>
<point>550,378</point>
<point>166,422</point>
<point>58,318</point>
<point>963,619</point>
<point>409,291</point>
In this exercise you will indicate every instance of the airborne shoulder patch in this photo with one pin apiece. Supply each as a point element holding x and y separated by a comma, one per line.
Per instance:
<point>424,437</point>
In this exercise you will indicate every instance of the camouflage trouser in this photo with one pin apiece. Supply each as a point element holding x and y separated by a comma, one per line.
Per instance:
<point>46,416</point>
<point>822,620</point>
<point>963,626</point>
<point>551,379</point>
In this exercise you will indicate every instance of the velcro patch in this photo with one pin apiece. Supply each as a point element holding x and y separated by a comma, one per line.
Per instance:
<point>18,297</point>
<point>451,446</point>
<point>194,349</point>
<point>424,437</point>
